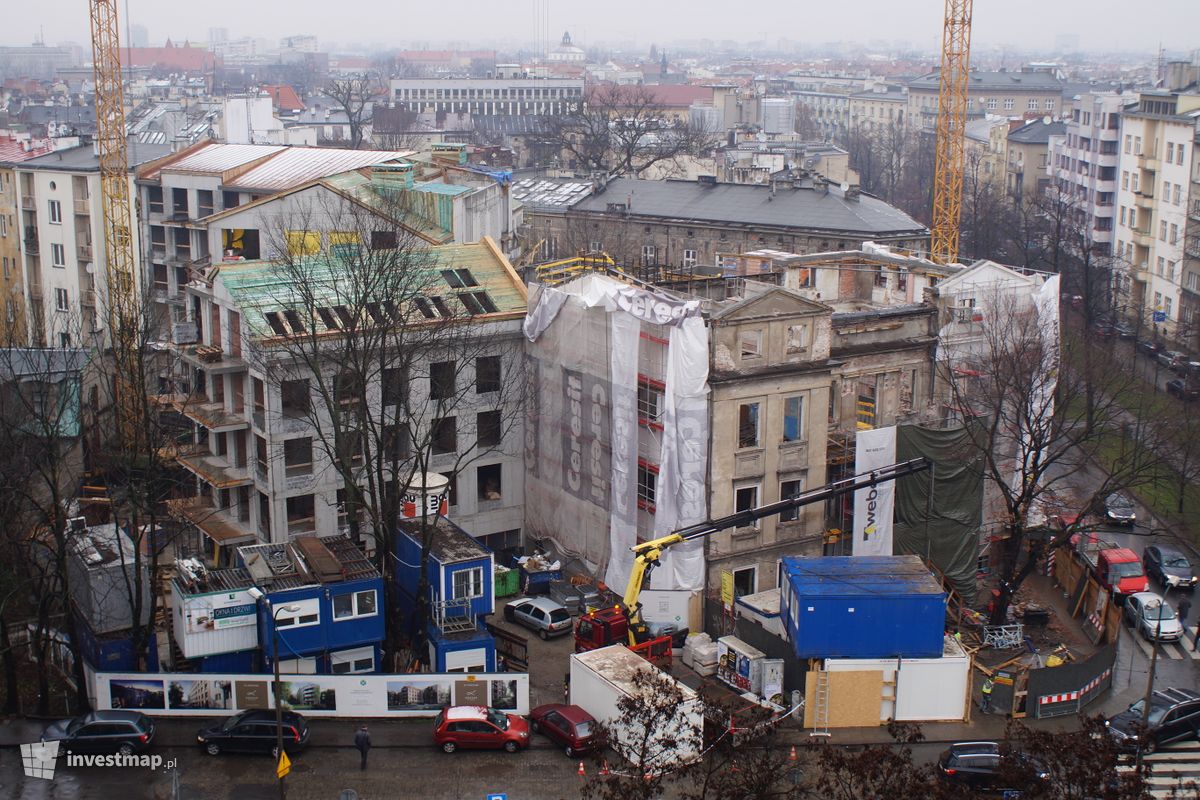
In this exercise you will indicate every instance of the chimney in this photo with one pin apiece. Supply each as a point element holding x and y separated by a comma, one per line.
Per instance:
<point>853,192</point>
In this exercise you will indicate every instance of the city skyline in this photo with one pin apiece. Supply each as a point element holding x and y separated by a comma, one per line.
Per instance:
<point>1019,24</point>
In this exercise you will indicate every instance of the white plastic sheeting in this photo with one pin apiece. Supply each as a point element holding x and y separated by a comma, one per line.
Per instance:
<point>582,433</point>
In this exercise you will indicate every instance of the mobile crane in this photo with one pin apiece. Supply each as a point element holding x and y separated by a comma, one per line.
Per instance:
<point>624,623</point>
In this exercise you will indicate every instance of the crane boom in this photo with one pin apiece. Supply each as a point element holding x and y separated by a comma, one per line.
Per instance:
<point>122,306</point>
<point>647,554</point>
<point>949,160</point>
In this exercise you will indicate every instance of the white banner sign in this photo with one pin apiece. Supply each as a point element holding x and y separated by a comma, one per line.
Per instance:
<point>873,506</point>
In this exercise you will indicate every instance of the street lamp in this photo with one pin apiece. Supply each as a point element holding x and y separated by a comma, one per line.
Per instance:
<point>1170,584</point>
<point>261,597</point>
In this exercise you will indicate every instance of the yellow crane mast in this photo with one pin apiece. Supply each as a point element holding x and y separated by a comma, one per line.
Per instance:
<point>122,307</point>
<point>953,97</point>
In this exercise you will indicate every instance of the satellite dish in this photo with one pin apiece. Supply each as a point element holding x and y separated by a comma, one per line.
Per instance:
<point>1046,120</point>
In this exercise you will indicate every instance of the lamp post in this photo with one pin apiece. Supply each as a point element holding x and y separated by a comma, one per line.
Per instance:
<point>261,597</point>
<point>1171,583</point>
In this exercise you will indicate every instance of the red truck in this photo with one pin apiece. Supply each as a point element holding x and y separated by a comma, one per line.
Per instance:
<point>1117,569</point>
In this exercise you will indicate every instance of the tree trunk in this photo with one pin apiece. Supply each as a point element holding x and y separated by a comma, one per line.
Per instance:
<point>11,704</point>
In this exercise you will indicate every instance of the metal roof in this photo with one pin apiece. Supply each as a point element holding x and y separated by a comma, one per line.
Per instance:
<point>548,194</point>
<point>840,576</point>
<point>296,165</point>
<point>805,208</point>
<point>450,545</point>
<point>219,158</point>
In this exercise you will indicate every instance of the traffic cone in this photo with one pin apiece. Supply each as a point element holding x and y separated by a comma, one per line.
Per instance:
<point>604,767</point>
<point>581,771</point>
<point>733,767</point>
<point>792,755</point>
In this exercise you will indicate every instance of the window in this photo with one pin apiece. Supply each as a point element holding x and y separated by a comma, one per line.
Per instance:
<point>295,398</point>
<point>384,240</point>
<point>1048,104</point>
<point>156,199</point>
<point>991,104</point>
<point>347,389</point>
<point>1162,230</point>
<point>788,490</point>
<point>444,435</point>
<point>55,212</point>
<point>1167,306</point>
<point>1124,180</point>
<point>689,258</point>
<point>466,584</point>
<point>1009,103</point>
<point>301,513</point>
<point>1174,233</point>
<point>354,604</point>
<point>750,344</point>
<point>488,482</point>
<point>748,425</point>
<point>62,301</point>
<point>649,401</point>
<point>797,339</point>
<point>647,486</point>
<point>488,429</point>
<point>58,255</point>
<point>441,380</point>
<point>745,581</point>
<point>308,613</point>
<point>298,456</point>
<point>487,374</point>
<point>793,419</point>
<point>394,387</point>
<point>745,498</point>
<point>1032,105</point>
<point>358,660</point>
<point>649,255</point>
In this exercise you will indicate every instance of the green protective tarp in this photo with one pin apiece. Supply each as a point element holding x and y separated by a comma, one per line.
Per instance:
<point>945,527</point>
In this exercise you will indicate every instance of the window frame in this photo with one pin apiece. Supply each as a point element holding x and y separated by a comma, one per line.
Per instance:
<point>356,611</point>
<point>753,416</point>
<point>799,417</point>
<point>474,583</point>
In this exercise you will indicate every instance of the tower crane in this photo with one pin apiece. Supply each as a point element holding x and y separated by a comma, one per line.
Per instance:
<point>953,97</point>
<point>123,316</point>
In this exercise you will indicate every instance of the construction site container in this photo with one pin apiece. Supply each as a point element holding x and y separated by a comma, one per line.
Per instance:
<point>862,607</point>
<point>506,581</point>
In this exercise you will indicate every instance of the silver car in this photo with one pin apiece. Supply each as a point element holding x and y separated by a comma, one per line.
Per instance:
<point>541,614</point>
<point>1153,617</point>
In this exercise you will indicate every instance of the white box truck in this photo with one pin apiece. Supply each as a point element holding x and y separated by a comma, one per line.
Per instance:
<point>600,678</point>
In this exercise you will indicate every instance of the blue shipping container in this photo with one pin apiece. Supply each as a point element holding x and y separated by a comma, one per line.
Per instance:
<point>862,607</point>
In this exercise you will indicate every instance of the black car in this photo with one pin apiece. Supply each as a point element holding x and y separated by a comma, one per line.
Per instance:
<point>1183,390</point>
<point>1168,566</point>
<point>1104,330</point>
<point>1124,331</point>
<point>979,765</point>
<point>1118,509</point>
<point>1174,716</point>
<point>122,732</point>
<point>1149,348</point>
<point>255,732</point>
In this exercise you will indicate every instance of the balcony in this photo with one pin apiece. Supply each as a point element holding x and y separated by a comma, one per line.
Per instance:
<point>213,360</point>
<point>28,203</point>
<point>1144,202</point>
<point>35,291</point>
<point>213,469</point>
<point>1148,163</point>
<point>213,416</point>
<point>83,206</point>
<point>31,245</point>
<point>87,298</point>
<point>84,251</point>
<point>215,524</point>
<point>1142,237</point>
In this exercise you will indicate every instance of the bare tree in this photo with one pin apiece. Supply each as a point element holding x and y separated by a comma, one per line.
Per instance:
<point>748,761</point>
<point>875,770</point>
<point>384,348</point>
<point>1071,765</point>
<point>624,130</point>
<point>355,95</point>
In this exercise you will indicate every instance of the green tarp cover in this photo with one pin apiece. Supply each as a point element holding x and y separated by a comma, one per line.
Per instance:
<point>944,528</point>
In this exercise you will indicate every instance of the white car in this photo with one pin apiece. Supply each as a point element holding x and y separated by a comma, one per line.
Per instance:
<point>1153,617</point>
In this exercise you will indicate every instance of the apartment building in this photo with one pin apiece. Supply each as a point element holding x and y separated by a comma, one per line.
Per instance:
<point>1189,298</point>
<point>1157,146</point>
<point>828,110</point>
<point>12,285</point>
<point>261,472</point>
<point>488,96</point>
<point>1028,156</point>
<point>881,107</point>
<point>1012,94</point>
<point>1084,162</point>
<point>987,151</point>
<point>62,241</point>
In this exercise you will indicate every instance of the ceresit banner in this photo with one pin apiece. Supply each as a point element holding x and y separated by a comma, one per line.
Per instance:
<point>874,505</point>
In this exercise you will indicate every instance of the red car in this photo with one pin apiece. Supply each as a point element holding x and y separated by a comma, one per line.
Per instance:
<point>569,726</point>
<point>479,728</point>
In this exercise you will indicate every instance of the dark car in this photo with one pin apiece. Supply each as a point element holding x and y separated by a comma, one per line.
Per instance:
<point>1168,566</point>
<point>1171,358</point>
<point>1118,509</point>
<point>979,765</point>
<point>570,727</point>
<point>1124,330</point>
<point>1149,348</point>
<point>122,732</point>
<point>1183,390</point>
<point>1104,329</point>
<point>1174,716</point>
<point>255,732</point>
<point>479,728</point>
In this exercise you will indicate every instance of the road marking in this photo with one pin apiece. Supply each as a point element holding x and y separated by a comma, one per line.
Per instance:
<point>1171,768</point>
<point>1172,650</point>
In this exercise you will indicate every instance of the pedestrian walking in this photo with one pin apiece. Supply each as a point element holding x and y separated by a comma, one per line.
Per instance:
<point>362,740</point>
<point>1196,638</point>
<point>986,693</point>
<point>1185,606</point>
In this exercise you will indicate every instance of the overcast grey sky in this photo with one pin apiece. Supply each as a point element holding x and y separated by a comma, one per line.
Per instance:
<point>1100,24</point>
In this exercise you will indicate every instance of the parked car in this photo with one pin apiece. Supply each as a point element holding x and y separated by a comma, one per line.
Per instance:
<point>1174,715</point>
<point>1183,390</point>
<point>570,727</point>
<point>547,617</point>
<point>1104,329</point>
<point>1171,358</point>
<point>978,765</point>
<point>1153,617</point>
<point>1148,347</point>
<point>1124,330</point>
<point>124,732</point>
<point>1169,566</point>
<point>255,732</point>
<point>479,728</point>
<point>1118,509</point>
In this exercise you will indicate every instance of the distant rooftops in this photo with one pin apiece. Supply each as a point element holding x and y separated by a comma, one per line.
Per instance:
<point>84,158</point>
<point>1037,132</point>
<point>1010,81</point>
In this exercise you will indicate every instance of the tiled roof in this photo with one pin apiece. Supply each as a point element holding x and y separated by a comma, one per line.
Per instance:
<point>13,151</point>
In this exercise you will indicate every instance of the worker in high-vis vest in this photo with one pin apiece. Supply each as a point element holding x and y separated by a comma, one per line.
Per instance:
<point>986,692</point>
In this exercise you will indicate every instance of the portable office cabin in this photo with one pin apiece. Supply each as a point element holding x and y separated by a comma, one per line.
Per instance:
<point>338,623</point>
<point>460,570</point>
<point>104,573</point>
<point>213,614</point>
<point>862,607</point>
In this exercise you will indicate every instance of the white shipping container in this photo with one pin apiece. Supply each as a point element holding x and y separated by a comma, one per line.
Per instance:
<point>740,665</point>
<point>215,622</point>
<point>600,678</point>
<point>925,689</point>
